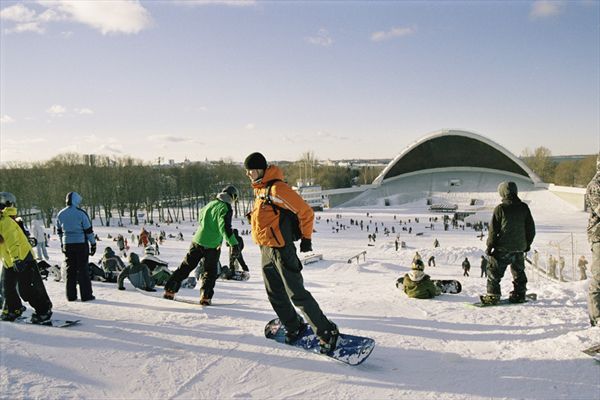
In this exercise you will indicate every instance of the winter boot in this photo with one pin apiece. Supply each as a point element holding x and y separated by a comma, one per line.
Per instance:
<point>41,318</point>
<point>328,340</point>
<point>292,335</point>
<point>12,315</point>
<point>490,299</point>
<point>516,297</point>
<point>205,301</point>
<point>169,295</point>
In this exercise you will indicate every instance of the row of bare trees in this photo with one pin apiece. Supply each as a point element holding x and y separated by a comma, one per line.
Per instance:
<point>129,186</point>
<point>137,190</point>
<point>575,173</point>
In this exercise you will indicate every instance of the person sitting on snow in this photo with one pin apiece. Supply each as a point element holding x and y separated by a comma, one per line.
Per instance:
<point>111,265</point>
<point>151,261</point>
<point>418,284</point>
<point>138,275</point>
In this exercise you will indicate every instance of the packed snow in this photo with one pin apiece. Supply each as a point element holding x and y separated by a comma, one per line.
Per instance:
<point>132,346</point>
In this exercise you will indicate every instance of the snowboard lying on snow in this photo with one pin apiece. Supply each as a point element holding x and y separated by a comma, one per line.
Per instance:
<point>446,286</point>
<point>349,349</point>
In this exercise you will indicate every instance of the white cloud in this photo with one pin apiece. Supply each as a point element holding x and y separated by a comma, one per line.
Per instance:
<point>546,8</point>
<point>84,111</point>
<point>321,39</point>
<point>393,33</point>
<point>111,148</point>
<point>6,119</point>
<point>56,110</point>
<point>25,19</point>
<point>108,17</point>
<point>171,139</point>
<point>250,126</point>
<point>17,13</point>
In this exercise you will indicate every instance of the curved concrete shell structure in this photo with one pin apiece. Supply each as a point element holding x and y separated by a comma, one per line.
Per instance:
<point>447,166</point>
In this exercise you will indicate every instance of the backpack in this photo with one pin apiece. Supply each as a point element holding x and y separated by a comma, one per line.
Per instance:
<point>285,213</point>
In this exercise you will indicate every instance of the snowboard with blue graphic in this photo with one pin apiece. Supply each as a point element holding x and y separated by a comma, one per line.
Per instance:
<point>349,349</point>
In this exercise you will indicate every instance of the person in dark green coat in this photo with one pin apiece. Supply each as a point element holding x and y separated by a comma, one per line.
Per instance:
<point>511,233</point>
<point>214,221</point>
<point>418,284</point>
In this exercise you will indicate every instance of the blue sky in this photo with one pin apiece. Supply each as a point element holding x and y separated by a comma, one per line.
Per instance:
<point>207,79</point>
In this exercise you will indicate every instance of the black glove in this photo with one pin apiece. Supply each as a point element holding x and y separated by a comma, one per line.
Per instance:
<point>93,249</point>
<point>489,251</point>
<point>235,251</point>
<point>122,288</point>
<point>305,245</point>
<point>20,265</point>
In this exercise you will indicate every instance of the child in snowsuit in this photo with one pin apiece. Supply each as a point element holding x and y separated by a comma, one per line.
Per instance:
<point>418,284</point>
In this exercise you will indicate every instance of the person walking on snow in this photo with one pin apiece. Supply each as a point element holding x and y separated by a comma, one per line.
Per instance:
<point>466,266</point>
<point>75,231</point>
<point>279,217</point>
<point>592,201</point>
<point>484,264</point>
<point>510,235</point>
<point>214,224</point>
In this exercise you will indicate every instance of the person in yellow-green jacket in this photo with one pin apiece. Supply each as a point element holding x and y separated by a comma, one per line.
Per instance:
<point>19,268</point>
<point>214,220</point>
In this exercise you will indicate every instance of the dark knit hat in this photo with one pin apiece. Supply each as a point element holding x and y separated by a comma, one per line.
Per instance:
<point>255,161</point>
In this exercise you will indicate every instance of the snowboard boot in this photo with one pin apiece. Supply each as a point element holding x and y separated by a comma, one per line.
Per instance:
<point>41,318</point>
<point>490,299</point>
<point>292,335</point>
<point>12,315</point>
<point>205,301</point>
<point>516,297</point>
<point>245,275</point>
<point>328,340</point>
<point>169,295</point>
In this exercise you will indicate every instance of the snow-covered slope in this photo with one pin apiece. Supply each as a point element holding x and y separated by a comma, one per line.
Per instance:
<point>134,346</point>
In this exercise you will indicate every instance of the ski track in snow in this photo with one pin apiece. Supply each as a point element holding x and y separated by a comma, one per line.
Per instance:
<point>129,345</point>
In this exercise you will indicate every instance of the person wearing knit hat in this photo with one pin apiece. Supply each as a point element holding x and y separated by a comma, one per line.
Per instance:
<point>592,202</point>
<point>510,236</point>
<point>417,284</point>
<point>280,216</point>
<point>214,225</point>
<point>255,161</point>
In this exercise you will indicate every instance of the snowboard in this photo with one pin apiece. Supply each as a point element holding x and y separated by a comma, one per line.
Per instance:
<point>196,302</point>
<point>594,352</point>
<point>350,349</point>
<point>446,286</point>
<point>503,302</point>
<point>53,323</point>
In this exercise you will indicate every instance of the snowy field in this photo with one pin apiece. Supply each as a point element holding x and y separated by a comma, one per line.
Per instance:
<point>132,346</point>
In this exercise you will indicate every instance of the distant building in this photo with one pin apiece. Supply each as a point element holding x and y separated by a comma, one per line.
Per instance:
<point>446,167</point>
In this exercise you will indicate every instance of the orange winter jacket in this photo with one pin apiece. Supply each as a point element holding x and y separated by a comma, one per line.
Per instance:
<point>271,226</point>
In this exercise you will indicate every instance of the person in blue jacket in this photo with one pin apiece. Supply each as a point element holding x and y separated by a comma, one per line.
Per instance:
<point>75,231</point>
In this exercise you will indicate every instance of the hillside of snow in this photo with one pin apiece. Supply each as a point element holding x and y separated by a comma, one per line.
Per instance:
<point>132,346</point>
